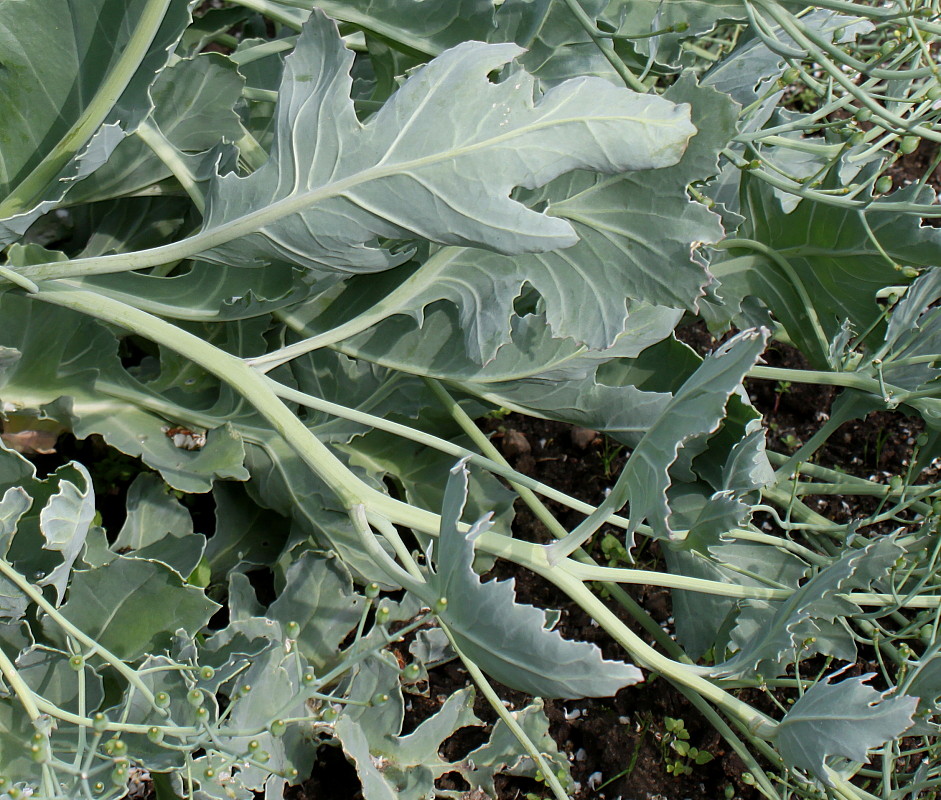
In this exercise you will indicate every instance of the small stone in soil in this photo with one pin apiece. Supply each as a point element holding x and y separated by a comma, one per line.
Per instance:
<point>515,444</point>
<point>583,438</point>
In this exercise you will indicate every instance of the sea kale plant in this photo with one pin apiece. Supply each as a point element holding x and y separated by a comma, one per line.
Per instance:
<point>285,252</point>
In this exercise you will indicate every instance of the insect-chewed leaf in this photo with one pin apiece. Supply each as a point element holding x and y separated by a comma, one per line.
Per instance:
<point>438,161</point>
<point>504,638</point>
<point>840,719</point>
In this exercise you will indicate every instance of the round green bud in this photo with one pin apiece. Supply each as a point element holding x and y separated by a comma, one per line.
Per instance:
<point>98,788</point>
<point>411,672</point>
<point>308,677</point>
<point>934,92</point>
<point>909,272</point>
<point>119,747</point>
<point>155,735</point>
<point>936,507</point>
<point>207,673</point>
<point>329,715</point>
<point>245,689</point>
<point>277,728</point>
<point>896,483</point>
<point>790,75</point>
<point>681,27</point>
<point>253,745</point>
<point>76,662</point>
<point>441,605</point>
<point>3,783</point>
<point>372,590</point>
<point>922,439</point>
<point>290,773</point>
<point>14,793</point>
<point>382,615</point>
<point>202,714</point>
<point>292,629</point>
<point>863,114</point>
<point>753,164</point>
<point>99,722</point>
<point>888,48</point>
<point>379,699</point>
<point>161,699</point>
<point>262,757</point>
<point>748,779</point>
<point>119,776</point>
<point>884,184</point>
<point>209,773</point>
<point>194,697</point>
<point>908,144</point>
<point>37,753</point>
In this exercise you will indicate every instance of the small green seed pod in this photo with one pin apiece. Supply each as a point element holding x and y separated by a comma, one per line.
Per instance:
<point>908,144</point>
<point>119,776</point>
<point>76,662</point>
<point>207,673</point>
<point>411,672</point>
<point>884,184</point>
<point>382,615</point>
<point>277,728</point>
<point>292,630</point>
<point>329,715</point>
<point>441,605</point>
<point>790,75</point>
<point>379,699</point>
<point>161,699</point>
<point>195,698</point>
<point>99,722</point>
<point>863,114</point>
<point>155,735</point>
<point>372,590</point>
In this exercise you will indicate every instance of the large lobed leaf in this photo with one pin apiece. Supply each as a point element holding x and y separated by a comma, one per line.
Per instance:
<point>840,719</point>
<point>508,640</point>
<point>438,161</point>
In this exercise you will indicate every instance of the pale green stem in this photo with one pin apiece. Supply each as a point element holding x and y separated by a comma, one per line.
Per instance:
<point>525,483</point>
<point>792,276</point>
<point>30,189</point>
<point>508,717</point>
<point>19,687</point>
<point>640,577</point>
<point>758,724</point>
<point>799,33</point>
<point>605,46</point>
<point>164,150</point>
<point>397,301</point>
<point>276,11</point>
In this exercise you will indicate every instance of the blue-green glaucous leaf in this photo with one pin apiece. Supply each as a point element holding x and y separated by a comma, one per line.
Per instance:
<point>840,719</point>
<point>438,161</point>
<point>504,638</point>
